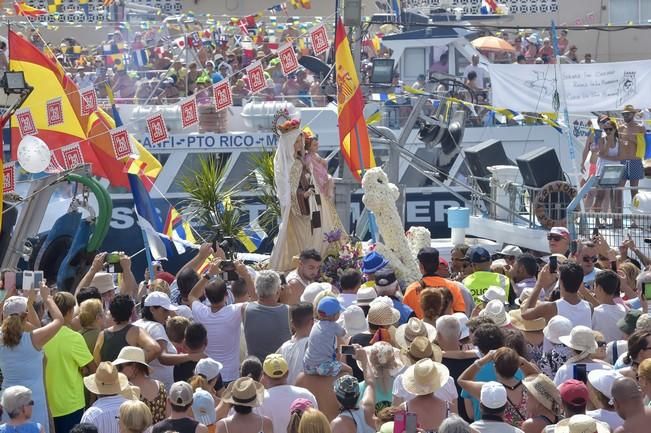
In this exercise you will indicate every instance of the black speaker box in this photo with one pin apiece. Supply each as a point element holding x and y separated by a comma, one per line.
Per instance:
<point>539,167</point>
<point>485,154</point>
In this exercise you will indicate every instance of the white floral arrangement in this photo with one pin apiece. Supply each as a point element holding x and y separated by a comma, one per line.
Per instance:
<point>379,197</point>
<point>418,237</point>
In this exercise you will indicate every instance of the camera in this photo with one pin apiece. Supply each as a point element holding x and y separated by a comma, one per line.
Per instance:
<point>112,263</point>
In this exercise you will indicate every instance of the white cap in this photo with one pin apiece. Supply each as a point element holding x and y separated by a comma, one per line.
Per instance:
<point>511,250</point>
<point>493,395</point>
<point>14,305</point>
<point>209,368</point>
<point>463,324</point>
<point>313,289</point>
<point>602,380</point>
<point>184,311</point>
<point>203,407</point>
<point>160,299</point>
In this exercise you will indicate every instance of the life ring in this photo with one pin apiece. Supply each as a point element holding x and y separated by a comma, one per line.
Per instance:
<point>546,215</point>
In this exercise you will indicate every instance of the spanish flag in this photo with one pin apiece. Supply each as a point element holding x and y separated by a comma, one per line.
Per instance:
<point>92,132</point>
<point>25,10</point>
<point>353,133</point>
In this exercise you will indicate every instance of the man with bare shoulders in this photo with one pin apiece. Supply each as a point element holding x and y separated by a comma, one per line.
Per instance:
<point>628,130</point>
<point>629,404</point>
<point>309,266</point>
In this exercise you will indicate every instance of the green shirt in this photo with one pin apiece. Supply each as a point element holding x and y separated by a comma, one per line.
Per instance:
<point>66,355</point>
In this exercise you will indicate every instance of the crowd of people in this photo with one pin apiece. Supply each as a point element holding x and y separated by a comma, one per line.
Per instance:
<point>483,343</point>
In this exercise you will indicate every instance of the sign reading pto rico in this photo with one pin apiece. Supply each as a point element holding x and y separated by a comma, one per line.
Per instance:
<point>213,141</point>
<point>588,87</point>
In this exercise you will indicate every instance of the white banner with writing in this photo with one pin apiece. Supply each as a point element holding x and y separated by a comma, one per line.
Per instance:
<point>588,87</point>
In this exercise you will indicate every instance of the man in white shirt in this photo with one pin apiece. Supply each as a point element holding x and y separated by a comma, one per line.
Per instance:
<point>492,405</point>
<point>279,396</point>
<point>606,315</point>
<point>107,384</point>
<point>293,351</point>
<point>221,321</point>
<point>480,70</point>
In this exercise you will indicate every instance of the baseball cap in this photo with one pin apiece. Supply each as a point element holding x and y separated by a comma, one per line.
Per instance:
<point>275,366</point>
<point>574,392</point>
<point>160,299</point>
<point>493,395</point>
<point>14,305</point>
<point>561,231</point>
<point>208,368</point>
<point>329,306</point>
<point>510,250</point>
<point>180,394</point>
<point>385,277</point>
<point>203,407</point>
<point>602,381</point>
<point>478,255</point>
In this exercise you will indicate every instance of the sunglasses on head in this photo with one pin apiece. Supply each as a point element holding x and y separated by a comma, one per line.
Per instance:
<point>554,237</point>
<point>589,259</point>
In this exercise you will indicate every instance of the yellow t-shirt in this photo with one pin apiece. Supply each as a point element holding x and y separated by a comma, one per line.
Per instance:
<point>66,354</point>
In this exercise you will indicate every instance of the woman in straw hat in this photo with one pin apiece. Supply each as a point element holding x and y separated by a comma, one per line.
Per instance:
<point>131,362</point>
<point>532,330</point>
<point>422,348</point>
<point>583,344</point>
<point>555,353</point>
<point>384,365</point>
<point>543,403</point>
<point>506,363</point>
<point>243,395</point>
<point>423,379</point>
<point>581,424</point>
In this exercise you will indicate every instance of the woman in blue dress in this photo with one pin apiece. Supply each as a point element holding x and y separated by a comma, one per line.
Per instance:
<point>18,405</point>
<point>21,343</point>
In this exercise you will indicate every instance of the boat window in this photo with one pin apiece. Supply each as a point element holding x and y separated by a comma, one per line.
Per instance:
<point>190,165</point>
<point>244,164</point>
<point>413,64</point>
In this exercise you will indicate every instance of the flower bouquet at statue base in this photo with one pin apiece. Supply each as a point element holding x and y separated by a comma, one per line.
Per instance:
<point>339,257</point>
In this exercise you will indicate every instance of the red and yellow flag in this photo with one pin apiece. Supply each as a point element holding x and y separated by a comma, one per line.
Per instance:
<point>92,132</point>
<point>25,10</point>
<point>353,133</point>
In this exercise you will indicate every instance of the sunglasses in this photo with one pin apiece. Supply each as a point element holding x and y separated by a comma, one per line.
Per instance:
<point>590,259</point>
<point>601,344</point>
<point>554,237</point>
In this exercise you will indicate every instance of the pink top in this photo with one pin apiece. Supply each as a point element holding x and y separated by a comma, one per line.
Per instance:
<point>319,169</point>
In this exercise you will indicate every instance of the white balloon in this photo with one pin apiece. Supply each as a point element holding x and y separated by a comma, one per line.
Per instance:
<point>33,154</point>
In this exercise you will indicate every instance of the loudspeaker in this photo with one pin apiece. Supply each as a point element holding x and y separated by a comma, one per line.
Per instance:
<point>539,167</point>
<point>485,154</point>
<point>352,13</point>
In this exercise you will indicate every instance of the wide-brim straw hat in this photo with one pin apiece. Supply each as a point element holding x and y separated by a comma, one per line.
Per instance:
<point>425,377</point>
<point>526,325</point>
<point>415,327</point>
<point>544,390</point>
<point>106,380</point>
<point>383,354</point>
<point>244,392</point>
<point>129,354</point>
<point>630,109</point>
<point>581,424</point>
<point>421,348</point>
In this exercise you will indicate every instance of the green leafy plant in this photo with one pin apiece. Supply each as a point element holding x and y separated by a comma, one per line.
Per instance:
<point>262,183</point>
<point>211,205</point>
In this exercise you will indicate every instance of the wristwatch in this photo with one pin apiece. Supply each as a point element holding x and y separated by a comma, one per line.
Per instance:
<point>207,276</point>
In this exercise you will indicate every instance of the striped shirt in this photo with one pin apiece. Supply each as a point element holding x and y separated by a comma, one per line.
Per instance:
<point>103,414</point>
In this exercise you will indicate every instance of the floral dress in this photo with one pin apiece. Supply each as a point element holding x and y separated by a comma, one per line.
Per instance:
<point>515,415</point>
<point>158,405</point>
<point>552,360</point>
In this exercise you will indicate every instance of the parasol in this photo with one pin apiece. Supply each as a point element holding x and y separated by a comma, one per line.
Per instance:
<point>492,43</point>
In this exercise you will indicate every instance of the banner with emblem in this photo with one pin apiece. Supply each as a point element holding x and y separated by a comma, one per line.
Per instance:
<point>586,87</point>
<point>319,39</point>
<point>288,60</point>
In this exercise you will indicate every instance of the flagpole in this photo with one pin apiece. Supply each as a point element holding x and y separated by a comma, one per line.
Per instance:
<point>150,265</point>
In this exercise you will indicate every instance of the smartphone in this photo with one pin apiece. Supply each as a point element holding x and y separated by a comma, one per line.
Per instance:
<point>595,232</point>
<point>19,281</point>
<point>553,264</point>
<point>574,247</point>
<point>399,421</point>
<point>112,263</point>
<point>38,277</point>
<point>411,423</point>
<point>347,350</point>
<point>647,290</point>
<point>613,266</point>
<point>9,281</point>
<point>28,281</point>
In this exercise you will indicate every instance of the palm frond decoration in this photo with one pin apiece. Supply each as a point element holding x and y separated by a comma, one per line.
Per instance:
<point>262,183</point>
